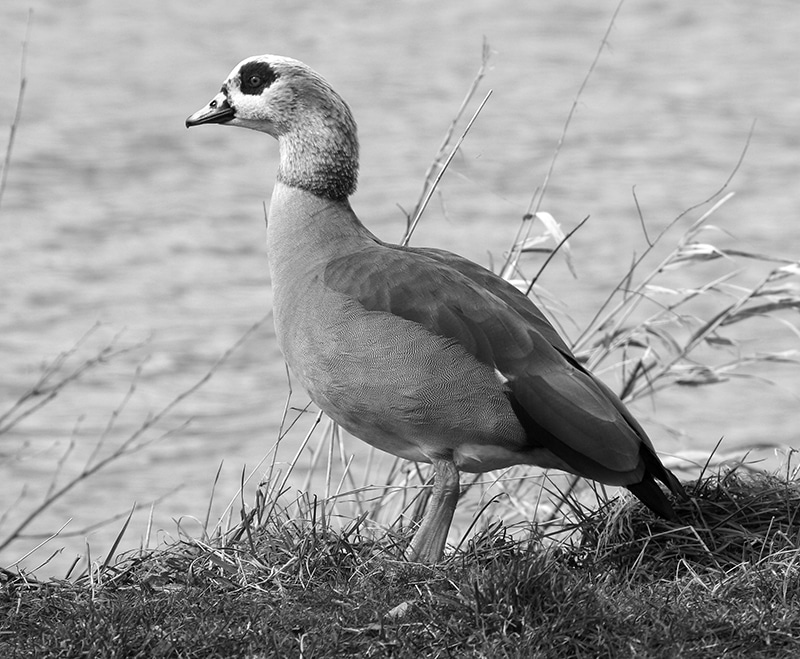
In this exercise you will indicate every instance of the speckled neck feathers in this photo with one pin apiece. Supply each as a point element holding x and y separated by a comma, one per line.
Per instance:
<point>319,148</point>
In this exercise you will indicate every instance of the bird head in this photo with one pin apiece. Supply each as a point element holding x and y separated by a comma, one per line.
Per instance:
<point>285,98</point>
<point>271,94</point>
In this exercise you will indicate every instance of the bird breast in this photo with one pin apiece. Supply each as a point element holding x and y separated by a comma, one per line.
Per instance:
<point>393,384</point>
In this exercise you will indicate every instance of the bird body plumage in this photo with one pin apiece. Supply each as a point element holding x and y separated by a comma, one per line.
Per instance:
<point>416,351</point>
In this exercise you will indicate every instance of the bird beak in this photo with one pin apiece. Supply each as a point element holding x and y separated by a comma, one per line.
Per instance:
<point>218,111</point>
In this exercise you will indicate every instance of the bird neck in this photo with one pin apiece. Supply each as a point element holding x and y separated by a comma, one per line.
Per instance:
<point>305,229</point>
<point>320,156</point>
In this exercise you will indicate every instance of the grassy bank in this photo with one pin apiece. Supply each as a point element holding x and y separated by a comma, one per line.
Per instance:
<point>622,584</point>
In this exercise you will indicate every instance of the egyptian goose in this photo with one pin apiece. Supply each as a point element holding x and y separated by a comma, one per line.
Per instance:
<point>418,352</point>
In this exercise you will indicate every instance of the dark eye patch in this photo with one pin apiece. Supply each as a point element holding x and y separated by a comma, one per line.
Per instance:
<point>256,77</point>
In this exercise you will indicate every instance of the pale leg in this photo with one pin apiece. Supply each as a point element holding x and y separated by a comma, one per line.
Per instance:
<point>428,544</point>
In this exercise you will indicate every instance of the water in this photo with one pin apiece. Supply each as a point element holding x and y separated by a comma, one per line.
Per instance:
<point>114,214</point>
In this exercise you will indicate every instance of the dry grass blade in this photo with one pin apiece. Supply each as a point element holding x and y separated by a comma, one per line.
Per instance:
<point>535,203</point>
<point>436,164</point>
<point>632,296</point>
<point>562,244</point>
<point>432,188</point>
<point>112,553</point>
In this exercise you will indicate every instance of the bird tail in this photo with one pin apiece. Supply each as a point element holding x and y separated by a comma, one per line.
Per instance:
<point>650,493</point>
<point>652,496</point>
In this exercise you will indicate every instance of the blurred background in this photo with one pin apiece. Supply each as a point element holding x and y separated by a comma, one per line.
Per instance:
<point>118,222</point>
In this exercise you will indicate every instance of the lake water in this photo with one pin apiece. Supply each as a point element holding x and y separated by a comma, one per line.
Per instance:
<point>115,214</point>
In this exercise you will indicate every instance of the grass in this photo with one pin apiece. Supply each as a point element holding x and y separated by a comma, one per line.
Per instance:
<point>624,584</point>
<point>590,575</point>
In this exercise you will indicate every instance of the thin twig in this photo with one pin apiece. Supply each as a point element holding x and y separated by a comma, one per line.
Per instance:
<point>45,389</point>
<point>130,445</point>
<point>23,82</point>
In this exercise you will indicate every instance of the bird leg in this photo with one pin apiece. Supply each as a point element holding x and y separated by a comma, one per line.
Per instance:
<point>428,543</point>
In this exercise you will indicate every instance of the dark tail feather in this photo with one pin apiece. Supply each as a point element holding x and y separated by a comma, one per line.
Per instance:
<point>650,493</point>
<point>674,485</point>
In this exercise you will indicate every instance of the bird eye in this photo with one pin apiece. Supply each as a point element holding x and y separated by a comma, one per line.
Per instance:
<point>255,77</point>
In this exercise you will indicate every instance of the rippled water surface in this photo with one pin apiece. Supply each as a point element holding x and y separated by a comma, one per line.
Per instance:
<point>115,214</point>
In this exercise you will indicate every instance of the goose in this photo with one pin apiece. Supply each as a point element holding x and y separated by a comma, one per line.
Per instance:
<point>417,351</point>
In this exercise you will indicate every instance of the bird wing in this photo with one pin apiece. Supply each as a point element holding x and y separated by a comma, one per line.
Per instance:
<point>507,292</point>
<point>531,313</point>
<point>561,405</point>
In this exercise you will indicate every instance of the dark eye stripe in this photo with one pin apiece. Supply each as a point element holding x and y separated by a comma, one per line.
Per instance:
<point>255,77</point>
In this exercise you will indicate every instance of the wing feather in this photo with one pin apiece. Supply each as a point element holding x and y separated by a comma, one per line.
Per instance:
<point>502,328</point>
